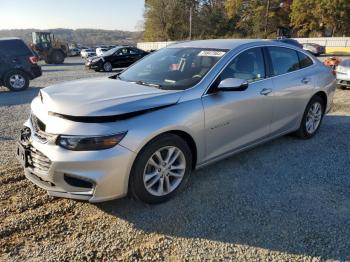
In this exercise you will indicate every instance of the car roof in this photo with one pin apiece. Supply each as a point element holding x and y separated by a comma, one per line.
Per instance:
<point>222,43</point>
<point>9,38</point>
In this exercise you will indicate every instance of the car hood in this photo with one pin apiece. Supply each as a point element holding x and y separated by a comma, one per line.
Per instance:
<point>104,97</point>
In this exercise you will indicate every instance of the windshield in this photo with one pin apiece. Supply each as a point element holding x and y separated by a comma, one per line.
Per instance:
<point>173,68</point>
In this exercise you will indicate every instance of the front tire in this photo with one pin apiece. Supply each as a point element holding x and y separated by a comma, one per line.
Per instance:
<point>107,67</point>
<point>312,118</point>
<point>161,169</point>
<point>16,80</point>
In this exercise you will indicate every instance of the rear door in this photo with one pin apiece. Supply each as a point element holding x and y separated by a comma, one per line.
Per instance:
<point>292,84</point>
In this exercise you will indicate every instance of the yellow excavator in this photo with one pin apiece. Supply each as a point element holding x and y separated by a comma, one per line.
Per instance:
<point>51,50</point>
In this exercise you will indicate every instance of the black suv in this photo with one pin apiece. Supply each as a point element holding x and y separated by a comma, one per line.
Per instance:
<point>18,64</point>
<point>120,56</point>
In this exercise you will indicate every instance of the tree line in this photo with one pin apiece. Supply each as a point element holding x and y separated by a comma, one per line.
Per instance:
<point>90,37</point>
<point>167,20</point>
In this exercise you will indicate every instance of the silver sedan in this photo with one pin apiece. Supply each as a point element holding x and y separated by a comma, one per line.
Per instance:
<point>343,74</point>
<point>145,130</point>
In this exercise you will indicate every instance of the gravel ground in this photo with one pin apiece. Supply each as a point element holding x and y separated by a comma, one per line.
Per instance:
<point>282,201</point>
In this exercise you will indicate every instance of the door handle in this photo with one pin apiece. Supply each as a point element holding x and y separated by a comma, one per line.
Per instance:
<point>265,91</point>
<point>305,80</point>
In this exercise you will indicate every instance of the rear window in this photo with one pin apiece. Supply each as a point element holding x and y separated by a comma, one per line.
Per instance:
<point>284,60</point>
<point>14,48</point>
<point>305,61</point>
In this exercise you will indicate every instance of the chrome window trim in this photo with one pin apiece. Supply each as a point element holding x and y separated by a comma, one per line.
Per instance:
<point>263,79</point>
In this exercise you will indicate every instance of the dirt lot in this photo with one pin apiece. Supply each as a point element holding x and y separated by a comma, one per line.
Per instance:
<point>286,200</point>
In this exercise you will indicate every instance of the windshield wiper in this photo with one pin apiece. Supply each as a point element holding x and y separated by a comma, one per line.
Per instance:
<point>140,82</point>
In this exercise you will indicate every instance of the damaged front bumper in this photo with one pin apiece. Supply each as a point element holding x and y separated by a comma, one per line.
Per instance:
<point>94,176</point>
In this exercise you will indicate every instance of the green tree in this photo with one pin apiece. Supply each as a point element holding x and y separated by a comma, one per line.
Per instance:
<point>252,18</point>
<point>316,17</point>
<point>335,16</point>
<point>232,7</point>
<point>212,21</point>
<point>167,20</point>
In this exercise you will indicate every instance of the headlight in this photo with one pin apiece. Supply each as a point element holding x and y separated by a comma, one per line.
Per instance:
<point>85,143</point>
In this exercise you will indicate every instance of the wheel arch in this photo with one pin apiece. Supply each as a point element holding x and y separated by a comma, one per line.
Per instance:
<point>323,96</point>
<point>182,134</point>
<point>13,70</point>
<point>190,142</point>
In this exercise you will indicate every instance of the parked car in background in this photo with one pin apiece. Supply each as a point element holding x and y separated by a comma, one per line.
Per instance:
<point>343,74</point>
<point>101,50</point>
<point>85,53</point>
<point>117,57</point>
<point>290,41</point>
<point>18,64</point>
<point>314,49</point>
<point>74,52</point>
<point>183,107</point>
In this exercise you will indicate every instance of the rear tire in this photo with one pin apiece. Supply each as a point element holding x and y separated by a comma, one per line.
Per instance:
<point>312,118</point>
<point>56,57</point>
<point>16,80</point>
<point>161,169</point>
<point>343,87</point>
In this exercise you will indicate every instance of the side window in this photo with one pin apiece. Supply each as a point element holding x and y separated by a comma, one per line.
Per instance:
<point>123,51</point>
<point>304,60</point>
<point>134,51</point>
<point>248,65</point>
<point>284,60</point>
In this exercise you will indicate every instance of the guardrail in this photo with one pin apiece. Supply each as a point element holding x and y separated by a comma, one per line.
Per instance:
<point>327,41</point>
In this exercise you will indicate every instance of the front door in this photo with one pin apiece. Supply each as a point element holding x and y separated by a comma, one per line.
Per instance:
<point>236,119</point>
<point>121,58</point>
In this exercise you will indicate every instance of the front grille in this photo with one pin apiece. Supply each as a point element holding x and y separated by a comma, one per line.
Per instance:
<point>37,124</point>
<point>39,130</point>
<point>38,161</point>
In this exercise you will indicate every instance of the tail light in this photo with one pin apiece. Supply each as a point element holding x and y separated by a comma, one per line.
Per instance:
<point>333,72</point>
<point>34,60</point>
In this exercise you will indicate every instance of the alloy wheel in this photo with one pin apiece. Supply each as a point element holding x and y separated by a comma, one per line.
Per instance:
<point>313,117</point>
<point>107,67</point>
<point>164,171</point>
<point>17,81</point>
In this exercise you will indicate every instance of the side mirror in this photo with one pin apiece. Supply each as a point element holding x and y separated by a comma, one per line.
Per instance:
<point>233,84</point>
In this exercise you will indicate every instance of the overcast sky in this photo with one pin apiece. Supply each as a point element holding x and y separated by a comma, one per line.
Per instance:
<point>46,14</point>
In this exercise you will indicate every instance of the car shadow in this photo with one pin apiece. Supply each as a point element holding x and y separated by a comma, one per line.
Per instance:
<point>64,64</point>
<point>8,98</point>
<point>53,70</point>
<point>288,195</point>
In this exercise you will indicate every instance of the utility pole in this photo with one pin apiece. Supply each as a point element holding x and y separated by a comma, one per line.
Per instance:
<point>190,35</point>
<point>267,17</point>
